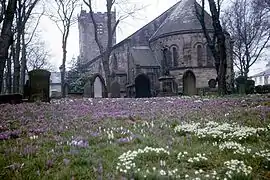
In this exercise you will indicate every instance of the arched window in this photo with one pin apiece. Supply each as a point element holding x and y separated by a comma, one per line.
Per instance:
<point>175,56</point>
<point>199,55</point>
<point>167,58</point>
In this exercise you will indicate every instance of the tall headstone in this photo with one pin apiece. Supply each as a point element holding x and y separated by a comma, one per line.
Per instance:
<point>115,90</point>
<point>39,85</point>
<point>97,88</point>
<point>87,90</point>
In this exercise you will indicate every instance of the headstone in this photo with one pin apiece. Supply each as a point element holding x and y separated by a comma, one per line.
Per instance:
<point>11,98</point>
<point>97,88</point>
<point>241,84</point>
<point>87,90</point>
<point>66,89</point>
<point>167,86</point>
<point>212,83</point>
<point>39,84</point>
<point>26,89</point>
<point>115,90</point>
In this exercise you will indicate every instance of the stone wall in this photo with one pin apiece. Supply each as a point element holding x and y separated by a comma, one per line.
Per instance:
<point>186,45</point>
<point>88,46</point>
<point>202,75</point>
<point>202,66</point>
<point>120,55</point>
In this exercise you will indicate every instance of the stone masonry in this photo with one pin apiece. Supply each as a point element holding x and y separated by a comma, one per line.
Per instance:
<point>173,41</point>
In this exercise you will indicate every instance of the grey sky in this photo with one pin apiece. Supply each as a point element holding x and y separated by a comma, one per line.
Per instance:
<point>152,9</point>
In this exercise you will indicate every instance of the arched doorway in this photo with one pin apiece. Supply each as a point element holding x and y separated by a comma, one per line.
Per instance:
<point>142,86</point>
<point>97,88</point>
<point>189,83</point>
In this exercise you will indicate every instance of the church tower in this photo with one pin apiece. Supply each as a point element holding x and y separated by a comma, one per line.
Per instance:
<point>88,46</point>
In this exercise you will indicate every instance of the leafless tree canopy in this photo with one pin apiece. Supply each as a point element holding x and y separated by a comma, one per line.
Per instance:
<point>249,26</point>
<point>38,54</point>
<point>62,14</point>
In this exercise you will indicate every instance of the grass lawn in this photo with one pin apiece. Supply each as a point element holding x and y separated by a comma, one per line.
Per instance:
<point>157,138</point>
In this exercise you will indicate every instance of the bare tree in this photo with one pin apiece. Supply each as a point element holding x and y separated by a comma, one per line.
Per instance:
<point>106,49</point>
<point>6,38</point>
<point>24,10</point>
<point>38,55</point>
<point>216,42</point>
<point>63,17</point>
<point>27,44</point>
<point>250,29</point>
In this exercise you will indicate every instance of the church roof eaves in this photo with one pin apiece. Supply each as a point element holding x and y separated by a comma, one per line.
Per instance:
<point>180,32</point>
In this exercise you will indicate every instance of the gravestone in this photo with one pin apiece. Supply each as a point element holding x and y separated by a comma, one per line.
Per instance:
<point>66,89</point>
<point>212,83</point>
<point>97,88</point>
<point>11,98</point>
<point>87,90</point>
<point>26,90</point>
<point>115,90</point>
<point>167,86</point>
<point>39,85</point>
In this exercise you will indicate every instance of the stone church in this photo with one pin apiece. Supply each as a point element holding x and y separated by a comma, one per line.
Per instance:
<point>167,56</point>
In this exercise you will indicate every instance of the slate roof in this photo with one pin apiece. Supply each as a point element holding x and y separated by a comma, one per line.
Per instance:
<point>264,73</point>
<point>143,56</point>
<point>182,19</point>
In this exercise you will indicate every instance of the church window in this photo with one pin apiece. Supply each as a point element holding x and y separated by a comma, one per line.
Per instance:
<point>174,56</point>
<point>199,55</point>
<point>167,58</point>
<point>100,29</point>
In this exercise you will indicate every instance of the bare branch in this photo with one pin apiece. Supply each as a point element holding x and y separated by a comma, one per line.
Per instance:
<point>249,26</point>
<point>35,28</point>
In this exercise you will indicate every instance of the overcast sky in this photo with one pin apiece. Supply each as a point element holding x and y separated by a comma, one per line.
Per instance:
<point>153,8</point>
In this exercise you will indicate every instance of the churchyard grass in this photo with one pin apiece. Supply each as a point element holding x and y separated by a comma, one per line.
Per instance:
<point>157,138</point>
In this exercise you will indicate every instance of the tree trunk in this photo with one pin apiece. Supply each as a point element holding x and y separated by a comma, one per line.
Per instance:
<point>222,88</point>
<point>16,59</point>
<point>23,63</point>
<point>221,59</point>
<point>6,37</point>
<point>106,68</point>
<point>63,71</point>
<point>2,67</point>
<point>16,62</point>
<point>9,76</point>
